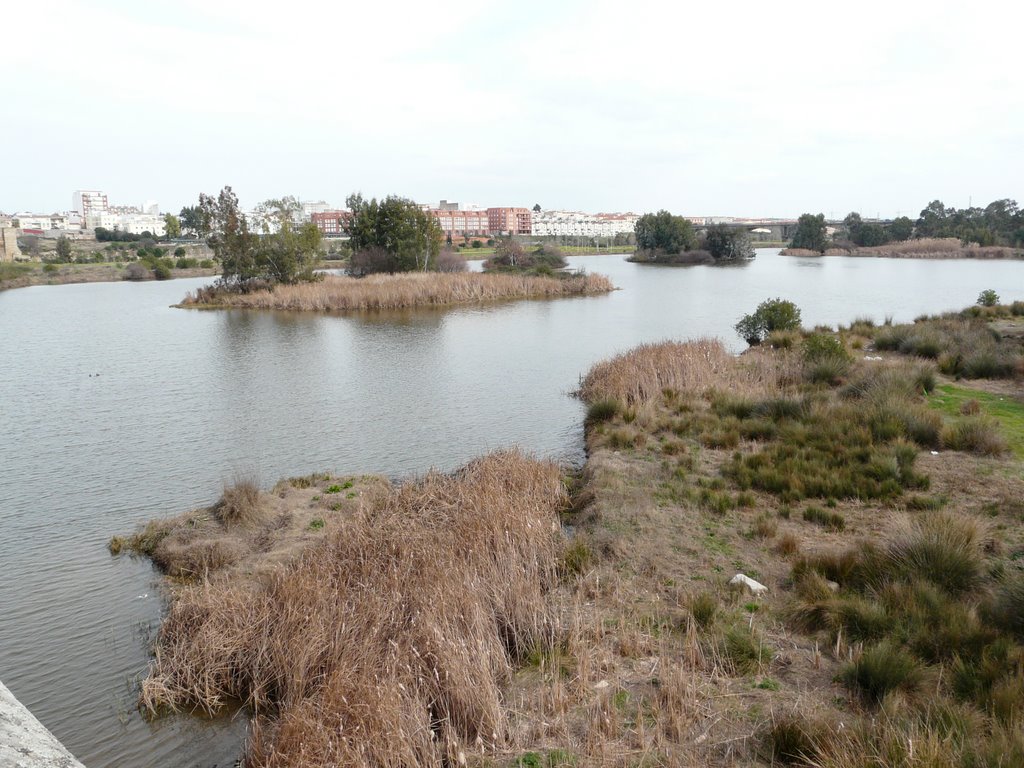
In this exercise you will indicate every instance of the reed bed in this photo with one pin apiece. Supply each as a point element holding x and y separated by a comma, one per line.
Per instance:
<point>924,248</point>
<point>387,643</point>
<point>647,371</point>
<point>401,291</point>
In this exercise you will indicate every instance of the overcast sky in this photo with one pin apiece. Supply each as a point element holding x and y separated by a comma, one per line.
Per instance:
<point>719,108</point>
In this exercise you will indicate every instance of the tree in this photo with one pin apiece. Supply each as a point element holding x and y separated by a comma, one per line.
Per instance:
<point>810,233</point>
<point>853,223</point>
<point>172,227</point>
<point>227,233</point>
<point>191,220</point>
<point>662,233</point>
<point>63,250</point>
<point>902,228</point>
<point>988,298</point>
<point>771,315</point>
<point>932,220</point>
<point>724,242</point>
<point>536,207</point>
<point>397,235</point>
<point>287,255</point>
<point>872,234</point>
<point>508,253</point>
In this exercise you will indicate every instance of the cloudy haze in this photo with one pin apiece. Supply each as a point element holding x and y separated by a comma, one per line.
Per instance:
<point>720,108</point>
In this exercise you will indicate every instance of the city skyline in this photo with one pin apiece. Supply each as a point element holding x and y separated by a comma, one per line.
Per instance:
<point>580,106</point>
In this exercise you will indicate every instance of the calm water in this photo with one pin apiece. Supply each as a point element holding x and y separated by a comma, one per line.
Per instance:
<point>115,408</point>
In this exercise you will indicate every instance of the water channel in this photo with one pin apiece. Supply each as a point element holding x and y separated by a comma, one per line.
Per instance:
<point>116,408</point>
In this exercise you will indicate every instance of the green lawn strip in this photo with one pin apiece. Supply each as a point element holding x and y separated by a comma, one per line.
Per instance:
<point>1007,410</point>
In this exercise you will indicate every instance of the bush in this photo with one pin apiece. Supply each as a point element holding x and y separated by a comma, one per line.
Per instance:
<point>162,272</point>
<point>882,669</point>
<point>136,272</point>
<point>602,410</point>
<point>988,298</point>
<point>974,434</point>
<point>771,315</point>
<point>206,263</point>
<point>790,740</point>
<point>940,548</point>
<point>185,262</point>
<point>833,521</point>
<point>179,252</point>
<point>49,268</point>
<point>1008,606</point>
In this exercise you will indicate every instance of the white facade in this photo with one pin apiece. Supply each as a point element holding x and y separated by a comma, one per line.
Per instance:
<point>309,208</point>
<point>576,224</point>
<point>43,221</point>
<point>86,201</point>
<point>133,223</point>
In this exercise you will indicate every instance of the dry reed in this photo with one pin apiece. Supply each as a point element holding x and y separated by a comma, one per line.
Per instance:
<point>388,642</point>
<point>645,372</point>
<point>923,248</point>
<point>382,292</point>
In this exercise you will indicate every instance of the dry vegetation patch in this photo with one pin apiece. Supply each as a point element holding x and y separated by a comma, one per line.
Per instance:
<point>400,291</point>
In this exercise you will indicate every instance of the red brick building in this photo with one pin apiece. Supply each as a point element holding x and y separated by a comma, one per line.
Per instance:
<point>512,221</point>
<point>332,223</point>
<point>461,223</point>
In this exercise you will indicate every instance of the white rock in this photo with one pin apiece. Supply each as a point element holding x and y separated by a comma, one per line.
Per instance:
<point>755,587</point>
<point>601,685</point>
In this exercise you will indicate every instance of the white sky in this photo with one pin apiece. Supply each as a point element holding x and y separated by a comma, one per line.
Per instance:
<point>729,108</point>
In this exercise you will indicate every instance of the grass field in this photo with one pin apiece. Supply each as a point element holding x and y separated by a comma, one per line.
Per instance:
<point>953,400</point>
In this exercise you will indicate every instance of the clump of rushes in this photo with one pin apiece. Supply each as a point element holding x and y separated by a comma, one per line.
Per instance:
<point>882,669</point>
<point>405,617</point>
<point>975,434</point>
<point>833,521</point>
<point>602,410</point>
<point>240,503</point>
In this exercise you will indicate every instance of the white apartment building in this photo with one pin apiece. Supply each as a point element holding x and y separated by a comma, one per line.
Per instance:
<point>577,224</point>
<point>86,201</point>
<point>42,221</point>
<point>133,223</point>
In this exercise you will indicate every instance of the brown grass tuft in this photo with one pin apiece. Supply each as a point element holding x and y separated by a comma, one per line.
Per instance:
<point>379,292</point>
<point>387,643</point>
<point>240,503</point>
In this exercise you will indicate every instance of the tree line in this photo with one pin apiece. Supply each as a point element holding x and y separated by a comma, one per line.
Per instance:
<point>999,223</point>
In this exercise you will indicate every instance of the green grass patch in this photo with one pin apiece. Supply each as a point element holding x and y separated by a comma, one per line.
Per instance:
<point>1008,411</point>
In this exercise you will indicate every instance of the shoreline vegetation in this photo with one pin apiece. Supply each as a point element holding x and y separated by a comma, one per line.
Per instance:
<point>867,481</point>
<point>925,248</point>
<point>23,275</point>
<point>401,291</point>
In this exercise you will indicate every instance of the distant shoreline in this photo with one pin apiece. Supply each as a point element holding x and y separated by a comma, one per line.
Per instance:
<point>930,248</point>
<point>71,274</point>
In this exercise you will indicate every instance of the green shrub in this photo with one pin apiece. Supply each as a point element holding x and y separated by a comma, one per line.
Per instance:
<point>833,521</point>
<point>704,608</point>
<point>206,263</point>
<point>881,669</point>
<point>744,650</point>
<point>771,315</point>
<point>940,548</point>
<point>49,268</point>
<point>179,252</point>
<point>162,272</point>
<point>988,298</point>
<point>185,263</point>
<point>576,558</point>
<point>602,410</point>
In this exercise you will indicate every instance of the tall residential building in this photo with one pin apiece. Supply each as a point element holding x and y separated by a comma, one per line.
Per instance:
<point>512,221</point>
<point>86,201</point>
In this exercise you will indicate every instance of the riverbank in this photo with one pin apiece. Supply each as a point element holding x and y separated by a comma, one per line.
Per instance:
<point>877,501</point>
<point>400,291</point>
<point>928,248</point>
<point>22,275</point>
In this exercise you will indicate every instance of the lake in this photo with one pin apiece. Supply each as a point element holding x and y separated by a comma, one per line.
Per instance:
<point>116,408</point>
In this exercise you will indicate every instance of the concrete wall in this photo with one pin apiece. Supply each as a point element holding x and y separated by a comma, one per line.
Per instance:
<point>25,742</point>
